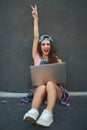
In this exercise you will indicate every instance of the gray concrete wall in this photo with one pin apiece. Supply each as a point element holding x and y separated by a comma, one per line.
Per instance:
<point>66,21</point>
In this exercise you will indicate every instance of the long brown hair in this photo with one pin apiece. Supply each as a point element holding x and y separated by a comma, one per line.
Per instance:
<point>52,54</point>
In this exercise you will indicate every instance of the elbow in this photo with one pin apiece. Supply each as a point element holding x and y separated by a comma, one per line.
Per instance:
<point>36,37</point>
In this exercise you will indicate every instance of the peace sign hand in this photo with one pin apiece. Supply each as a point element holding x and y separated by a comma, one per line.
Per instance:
<point>34,11</point>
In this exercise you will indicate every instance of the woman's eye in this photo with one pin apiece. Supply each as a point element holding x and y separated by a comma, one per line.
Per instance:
<point>48,44</point>
<point>42,44</point>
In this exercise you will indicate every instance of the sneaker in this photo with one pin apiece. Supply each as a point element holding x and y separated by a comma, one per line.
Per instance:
<point>31,115</point>
<point>45,119</point>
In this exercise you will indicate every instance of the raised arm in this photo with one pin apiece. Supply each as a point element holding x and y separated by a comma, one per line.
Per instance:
<point>36,33</point>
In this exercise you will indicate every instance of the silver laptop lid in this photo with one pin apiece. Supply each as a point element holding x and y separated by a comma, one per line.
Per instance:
<point>50,72</point>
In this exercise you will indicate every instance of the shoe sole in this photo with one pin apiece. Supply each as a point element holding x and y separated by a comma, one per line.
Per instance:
<point>30,119</point>
<point>44,124</point>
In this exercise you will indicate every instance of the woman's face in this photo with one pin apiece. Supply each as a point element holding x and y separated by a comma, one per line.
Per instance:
<point>45,47</point>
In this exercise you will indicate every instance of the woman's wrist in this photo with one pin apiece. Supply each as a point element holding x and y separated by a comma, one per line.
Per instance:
<point>36,17</point>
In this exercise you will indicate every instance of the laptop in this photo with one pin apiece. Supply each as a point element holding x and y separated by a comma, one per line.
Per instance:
<point>49,72</point>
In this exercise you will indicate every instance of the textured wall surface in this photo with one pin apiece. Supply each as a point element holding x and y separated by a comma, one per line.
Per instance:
<point>65,20</point>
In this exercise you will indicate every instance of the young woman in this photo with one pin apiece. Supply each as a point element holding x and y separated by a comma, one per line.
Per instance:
<point>43,52</point>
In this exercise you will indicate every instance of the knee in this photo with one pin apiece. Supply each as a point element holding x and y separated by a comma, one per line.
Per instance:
<point>50,84</point>
<point>41,89</point>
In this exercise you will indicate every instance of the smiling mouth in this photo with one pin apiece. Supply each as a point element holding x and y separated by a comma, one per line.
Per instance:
<point>46,50</point>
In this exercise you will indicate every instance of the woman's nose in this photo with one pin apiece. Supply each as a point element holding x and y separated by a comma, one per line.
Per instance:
<point>46,46</point>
